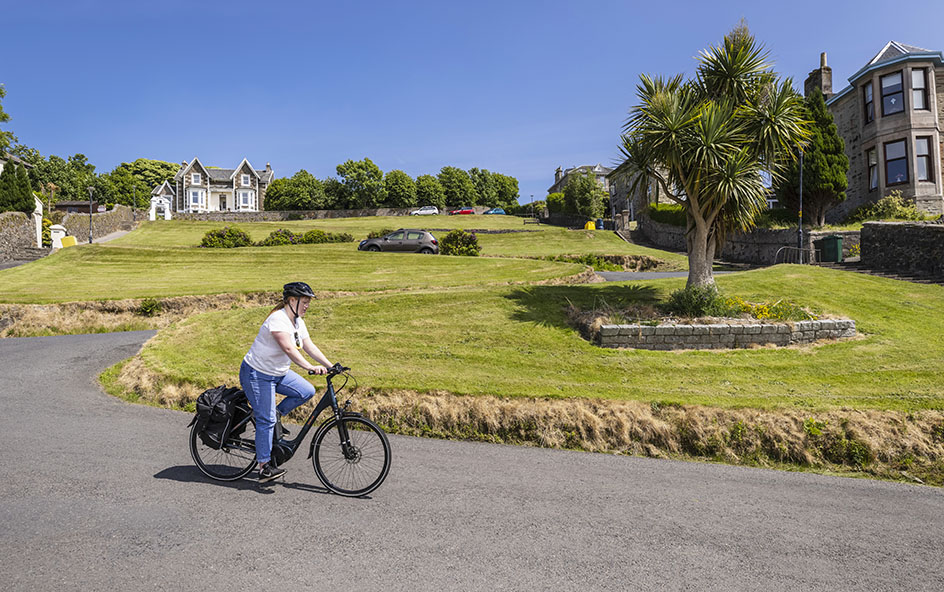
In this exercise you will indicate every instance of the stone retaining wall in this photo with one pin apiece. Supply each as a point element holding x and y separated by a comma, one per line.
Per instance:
<point>17,233</point>
<point>273,216</point>
<point>904,247</point>
<point>758,247</point>
<point>723,336</point>
<point>119,218</point>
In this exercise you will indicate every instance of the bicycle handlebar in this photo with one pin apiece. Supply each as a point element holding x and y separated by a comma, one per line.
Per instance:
<point>333,370</point>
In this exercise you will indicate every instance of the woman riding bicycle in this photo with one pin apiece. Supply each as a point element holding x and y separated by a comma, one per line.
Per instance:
<point>266,370</point>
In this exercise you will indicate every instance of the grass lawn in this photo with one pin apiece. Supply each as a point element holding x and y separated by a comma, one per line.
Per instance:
<point>103,272</point>
<point>515,341</point>
<point>160,259</point>
<point>540,241</point>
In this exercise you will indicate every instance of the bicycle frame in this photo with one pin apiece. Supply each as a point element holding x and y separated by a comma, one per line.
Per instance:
<point>288,448</point>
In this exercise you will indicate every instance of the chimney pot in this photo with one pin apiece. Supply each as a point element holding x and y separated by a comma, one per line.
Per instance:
<point>822,60</point>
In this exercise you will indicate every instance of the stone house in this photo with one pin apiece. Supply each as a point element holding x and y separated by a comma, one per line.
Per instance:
<point>197,188</point>
<point>889,117</point>
<point>561,176</point>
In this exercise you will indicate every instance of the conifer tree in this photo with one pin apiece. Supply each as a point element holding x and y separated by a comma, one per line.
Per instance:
<point>825,165</point>
<point>8,189</point>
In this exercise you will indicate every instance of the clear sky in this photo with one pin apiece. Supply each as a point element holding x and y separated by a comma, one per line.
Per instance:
<point>517,87</point>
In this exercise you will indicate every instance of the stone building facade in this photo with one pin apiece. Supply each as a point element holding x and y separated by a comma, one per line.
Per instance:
<point>561,176</point>
<point>888,118</point>
<point>196,188</point>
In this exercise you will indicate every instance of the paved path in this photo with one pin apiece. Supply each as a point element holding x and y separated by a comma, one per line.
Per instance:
<point>99,494</point>
<point>628,276</point>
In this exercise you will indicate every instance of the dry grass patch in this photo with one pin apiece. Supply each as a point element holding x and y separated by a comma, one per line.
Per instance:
<point>885,444</point>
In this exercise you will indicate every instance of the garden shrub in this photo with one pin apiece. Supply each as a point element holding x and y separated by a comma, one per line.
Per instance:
<point>150,307</point>
<point>225,238</point>
<point>776,218</point>
<point>891,207</point>
<point>282,236</point>
<point>596,262</point>
<point>379,233</point>
<point>673,214</point>
<point>460,242</point>
<point>695,301</point>
<point>320,237</point>
<point>47,237</point>
<point>705,301</point>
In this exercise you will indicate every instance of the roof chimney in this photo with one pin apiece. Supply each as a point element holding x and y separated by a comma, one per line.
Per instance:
<point>821,78</point>
<point>268,167</point>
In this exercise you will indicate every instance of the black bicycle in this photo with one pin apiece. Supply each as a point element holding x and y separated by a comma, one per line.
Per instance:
<point>350,453</point>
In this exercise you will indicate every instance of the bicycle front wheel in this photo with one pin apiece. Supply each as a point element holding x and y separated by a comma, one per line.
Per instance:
<point>230,462</point>
<point>351,457</point>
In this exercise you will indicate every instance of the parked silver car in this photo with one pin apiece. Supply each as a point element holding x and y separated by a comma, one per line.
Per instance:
<point>404,240</point>
<point>426,211</point>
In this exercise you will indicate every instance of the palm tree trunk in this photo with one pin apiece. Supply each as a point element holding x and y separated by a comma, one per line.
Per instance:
<point>701,254</point>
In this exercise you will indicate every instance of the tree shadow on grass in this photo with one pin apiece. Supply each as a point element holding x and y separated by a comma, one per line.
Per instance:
<point>546,305</point>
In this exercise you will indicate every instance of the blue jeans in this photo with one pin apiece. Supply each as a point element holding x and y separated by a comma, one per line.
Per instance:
<point>260,390</point>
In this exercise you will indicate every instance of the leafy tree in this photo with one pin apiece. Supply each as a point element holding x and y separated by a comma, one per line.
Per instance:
<point>457,186</point>
<point>583,194</point>
<point>555,203</point>
<point>364,180</point>
<point>6,138</point>
<point>337,195</point>
<point>134,181</point>
<point>709,142</point>
<point>825,165</point>
<point>400,189</point>
<point>301,191</point>
<point>507,188</point>
<point>486,187</point>
<point>429,192</point>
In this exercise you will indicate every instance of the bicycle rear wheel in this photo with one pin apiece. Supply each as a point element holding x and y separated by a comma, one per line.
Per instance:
<point>355,467</point>
<point>233,461</point>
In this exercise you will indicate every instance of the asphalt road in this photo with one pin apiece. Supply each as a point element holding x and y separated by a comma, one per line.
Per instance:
<point>99,494</point>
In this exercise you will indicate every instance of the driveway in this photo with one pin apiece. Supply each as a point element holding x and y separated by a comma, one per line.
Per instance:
<point>100,494</point>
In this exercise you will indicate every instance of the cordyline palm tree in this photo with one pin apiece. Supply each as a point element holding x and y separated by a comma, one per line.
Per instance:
<point>711,142</point>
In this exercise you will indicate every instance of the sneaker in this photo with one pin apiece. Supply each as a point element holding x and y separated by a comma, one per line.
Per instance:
<point>270,471</point>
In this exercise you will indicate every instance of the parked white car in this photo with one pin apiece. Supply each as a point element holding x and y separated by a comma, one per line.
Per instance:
<point>425,211</point>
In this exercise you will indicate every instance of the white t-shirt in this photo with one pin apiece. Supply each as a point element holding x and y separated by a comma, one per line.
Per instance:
<point>265,354</point>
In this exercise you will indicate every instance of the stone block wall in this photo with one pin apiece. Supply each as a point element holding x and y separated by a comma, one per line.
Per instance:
<point>722,335</point>
<point>904,247</point>
<point>758,247</point>
<point>279,216</point>
<point>17,233</point>
<point>119,218</point>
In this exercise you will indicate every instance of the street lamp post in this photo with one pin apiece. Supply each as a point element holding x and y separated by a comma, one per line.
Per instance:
<point>800,214</point>
<point>134,193</point>
<point>90,213</point>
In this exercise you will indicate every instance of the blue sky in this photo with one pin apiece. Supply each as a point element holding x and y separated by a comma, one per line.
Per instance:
<point>515,87</point>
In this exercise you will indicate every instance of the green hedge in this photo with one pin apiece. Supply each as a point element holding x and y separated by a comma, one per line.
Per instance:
<point>667,214</point>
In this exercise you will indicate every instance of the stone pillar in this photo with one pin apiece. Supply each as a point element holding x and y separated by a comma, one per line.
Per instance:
<point>38,221</point>
<point>57,232</point>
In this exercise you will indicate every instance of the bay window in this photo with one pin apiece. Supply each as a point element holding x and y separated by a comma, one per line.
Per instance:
<point>896,163</point>
<point>919,89</point>
<point>892,94</point>
<point>923,158</point>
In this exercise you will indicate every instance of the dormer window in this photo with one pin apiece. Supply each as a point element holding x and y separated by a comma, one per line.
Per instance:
<point>892,95</point>
<point>195,178</point>
<point>245,181</point>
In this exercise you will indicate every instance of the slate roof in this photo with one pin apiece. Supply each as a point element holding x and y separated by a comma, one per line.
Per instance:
<point>224,175</point>
<point>893,51</point>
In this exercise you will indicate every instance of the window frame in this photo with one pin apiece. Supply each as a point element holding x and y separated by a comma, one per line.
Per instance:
<point>868,102</point>
<point>924,90</point>
<point>244,181</point>
<point>245,199</point>
<point>872,168</point>
<point>928,157</point>
<point>195,178</point>
<point>901,78</point>
<point>888,181</point>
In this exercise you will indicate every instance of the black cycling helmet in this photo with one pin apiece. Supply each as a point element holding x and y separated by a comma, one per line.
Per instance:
<point>297,289</point>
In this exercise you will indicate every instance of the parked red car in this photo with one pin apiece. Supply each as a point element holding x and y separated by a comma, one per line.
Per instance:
<point>462,210</point>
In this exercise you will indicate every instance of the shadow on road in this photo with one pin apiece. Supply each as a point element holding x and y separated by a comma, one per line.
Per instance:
<point>191,474</point>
